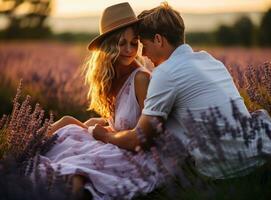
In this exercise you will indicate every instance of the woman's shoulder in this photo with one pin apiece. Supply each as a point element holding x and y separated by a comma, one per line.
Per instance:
<point>142,76</point>
<point>142,79</point>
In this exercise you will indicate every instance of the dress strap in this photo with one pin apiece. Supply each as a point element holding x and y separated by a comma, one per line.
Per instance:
<point>129,79</point>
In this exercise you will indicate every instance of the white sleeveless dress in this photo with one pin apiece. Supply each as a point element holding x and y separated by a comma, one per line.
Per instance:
<point>111,171</point>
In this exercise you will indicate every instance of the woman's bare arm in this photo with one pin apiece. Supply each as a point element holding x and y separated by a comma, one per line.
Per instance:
<point>142,80</point>
<point>64,121</point>
<point>93,121</point>
<point>126,139</point>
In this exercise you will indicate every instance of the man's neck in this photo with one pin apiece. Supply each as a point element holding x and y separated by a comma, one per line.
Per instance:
<point>169,49</point>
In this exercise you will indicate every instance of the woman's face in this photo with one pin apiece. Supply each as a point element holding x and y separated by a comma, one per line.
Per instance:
<point>128,46</point>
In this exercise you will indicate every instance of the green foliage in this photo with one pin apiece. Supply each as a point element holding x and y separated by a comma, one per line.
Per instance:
<point>3,141</point>
<point>244,30</point>
<point>241,33</point>
<point>225,35</point>
<point>200,38</point>
<point>30,24</point>
<point>15,32</point>
<point>265,29</point>
<point>6,96</point>
<point>253,186</point>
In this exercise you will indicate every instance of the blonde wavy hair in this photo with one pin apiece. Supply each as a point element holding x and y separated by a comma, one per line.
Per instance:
<point>99,73</point>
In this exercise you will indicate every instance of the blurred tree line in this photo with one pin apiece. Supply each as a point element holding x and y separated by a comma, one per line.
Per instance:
<point>27,19</point>
<point>243,32</point>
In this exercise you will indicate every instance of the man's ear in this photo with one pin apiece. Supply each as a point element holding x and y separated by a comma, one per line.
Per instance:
<point>158,40</point>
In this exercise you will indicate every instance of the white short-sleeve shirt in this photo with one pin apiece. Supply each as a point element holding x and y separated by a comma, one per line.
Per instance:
<point>190,80</point>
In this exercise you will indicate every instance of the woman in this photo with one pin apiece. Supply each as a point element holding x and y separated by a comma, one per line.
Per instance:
<point>118,87</point>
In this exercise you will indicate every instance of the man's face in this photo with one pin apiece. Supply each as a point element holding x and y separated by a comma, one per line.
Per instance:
<point>150,49</point>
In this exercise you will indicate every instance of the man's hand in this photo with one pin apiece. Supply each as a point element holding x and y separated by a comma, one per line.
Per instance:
<point>129,139</point>
<point>100,133</point>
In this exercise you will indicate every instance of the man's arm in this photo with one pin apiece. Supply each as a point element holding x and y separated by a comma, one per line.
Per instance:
<point>157,106</point>
<point>141,135</point>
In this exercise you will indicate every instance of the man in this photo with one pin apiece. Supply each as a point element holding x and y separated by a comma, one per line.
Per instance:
<point>182,80</point>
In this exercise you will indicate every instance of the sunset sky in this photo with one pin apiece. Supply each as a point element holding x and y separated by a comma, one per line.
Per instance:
<point>199,15</point>
<point>73,8</point>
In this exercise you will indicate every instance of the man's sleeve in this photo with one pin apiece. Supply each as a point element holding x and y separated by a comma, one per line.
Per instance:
<point>160,96</point>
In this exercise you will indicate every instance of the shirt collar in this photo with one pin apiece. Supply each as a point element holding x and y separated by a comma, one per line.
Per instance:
<point>182,49</point>
<point>179,51</point>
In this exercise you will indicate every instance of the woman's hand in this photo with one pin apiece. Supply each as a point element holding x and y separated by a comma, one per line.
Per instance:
<point>93,121</point>
<point>100,133</point>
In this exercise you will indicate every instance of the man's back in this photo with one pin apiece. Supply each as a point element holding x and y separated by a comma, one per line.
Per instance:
<point>194,81</point>
<point>200,82</point>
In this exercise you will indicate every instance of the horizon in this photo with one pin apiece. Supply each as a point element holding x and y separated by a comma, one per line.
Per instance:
<point>199,15</point>
<point>75,8</point>
<point>195,22</point>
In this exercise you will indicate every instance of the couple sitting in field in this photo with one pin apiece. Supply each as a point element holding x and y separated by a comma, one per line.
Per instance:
<point>129,98</point>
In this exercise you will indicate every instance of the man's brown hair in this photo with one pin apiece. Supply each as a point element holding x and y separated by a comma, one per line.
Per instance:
<point>162,20</point>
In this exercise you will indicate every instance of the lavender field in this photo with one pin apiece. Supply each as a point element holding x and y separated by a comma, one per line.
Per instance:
<point>52,75</point>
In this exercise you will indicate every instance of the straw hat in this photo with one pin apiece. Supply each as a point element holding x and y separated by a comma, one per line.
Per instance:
<point>113,18</point>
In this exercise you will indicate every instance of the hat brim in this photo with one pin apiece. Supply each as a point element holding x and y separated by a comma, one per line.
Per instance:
<point>95,43</point>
